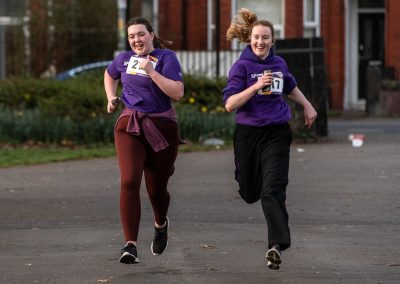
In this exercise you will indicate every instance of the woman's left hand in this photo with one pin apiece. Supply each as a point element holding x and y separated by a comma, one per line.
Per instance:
<point>309,115</point>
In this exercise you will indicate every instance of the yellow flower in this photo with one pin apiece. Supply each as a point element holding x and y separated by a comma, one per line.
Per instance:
<point>203,109</point>
<point>219,109</point>
<point>192,100</point>
<point>66,142</point>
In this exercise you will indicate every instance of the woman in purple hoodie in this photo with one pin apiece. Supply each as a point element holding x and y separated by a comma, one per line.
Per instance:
<point>257,82</point>
<point>146,133</point>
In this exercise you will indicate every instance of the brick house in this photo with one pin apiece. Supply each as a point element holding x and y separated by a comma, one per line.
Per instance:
<point>356,33</point>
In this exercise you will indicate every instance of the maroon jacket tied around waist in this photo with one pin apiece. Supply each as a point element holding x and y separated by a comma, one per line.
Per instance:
<point>150,131</point>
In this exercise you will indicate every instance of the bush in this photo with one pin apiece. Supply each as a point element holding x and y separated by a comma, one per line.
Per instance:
<point>203,93</point>
<point>74,111</point>
<point>198,126</point>
<point>33,126</point>
<point>84,97</point>
<point>77,99</point>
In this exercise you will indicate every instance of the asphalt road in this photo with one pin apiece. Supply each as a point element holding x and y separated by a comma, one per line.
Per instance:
<point>59,223</point>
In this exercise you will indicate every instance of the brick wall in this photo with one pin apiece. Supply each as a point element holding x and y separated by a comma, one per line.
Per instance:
<point>196,28</point>
<point>170,21</point>
<point>39,36</point>
<point>192,35</point>
<point>293,19</point>
<point>333,32</point>
<point>392,36</point>
<point>225,21</point>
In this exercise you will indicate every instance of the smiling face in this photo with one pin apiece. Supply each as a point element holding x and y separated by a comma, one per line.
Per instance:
<point>261,40</point>
<point>140,39</point>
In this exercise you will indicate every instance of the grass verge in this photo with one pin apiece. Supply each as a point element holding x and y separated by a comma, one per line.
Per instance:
<point>21,156</point>
<point>32,156</point>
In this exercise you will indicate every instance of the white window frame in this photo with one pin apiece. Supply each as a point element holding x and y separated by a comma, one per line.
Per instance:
<point>316,24</point>
<point>155,16</point>
<point>279,28</point>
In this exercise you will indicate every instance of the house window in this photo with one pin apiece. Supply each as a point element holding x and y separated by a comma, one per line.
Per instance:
<point>270,10</point>
<point>311,12</point>
<point>150,12</point>
<point>371,4</point>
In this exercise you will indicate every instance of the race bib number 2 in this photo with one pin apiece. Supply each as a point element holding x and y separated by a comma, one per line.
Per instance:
<point>134,65</point>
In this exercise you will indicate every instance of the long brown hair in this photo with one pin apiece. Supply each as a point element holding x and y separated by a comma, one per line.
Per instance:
<point>157,42</point>
<point>243,24</point>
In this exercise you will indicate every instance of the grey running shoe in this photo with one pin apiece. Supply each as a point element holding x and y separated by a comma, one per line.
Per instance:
<point>160,240</point>
<point>129,254</point>
<point>274,257</point>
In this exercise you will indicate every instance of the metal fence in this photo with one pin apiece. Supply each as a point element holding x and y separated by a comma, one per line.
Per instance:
<point>204,62</point>
<point>306,61</point>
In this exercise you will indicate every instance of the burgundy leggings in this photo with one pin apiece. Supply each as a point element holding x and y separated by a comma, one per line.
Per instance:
<point>136,156</point>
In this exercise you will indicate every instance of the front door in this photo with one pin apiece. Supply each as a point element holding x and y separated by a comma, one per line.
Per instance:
<point>371,47</point>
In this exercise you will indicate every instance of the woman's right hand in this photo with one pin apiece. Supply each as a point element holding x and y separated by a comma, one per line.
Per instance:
<point>110,106</point>
<point>264,80</point>
<point>110,86</point>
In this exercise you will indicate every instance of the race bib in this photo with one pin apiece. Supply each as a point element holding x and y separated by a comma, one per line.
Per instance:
<point>134,65</point>
<point>276,87</point>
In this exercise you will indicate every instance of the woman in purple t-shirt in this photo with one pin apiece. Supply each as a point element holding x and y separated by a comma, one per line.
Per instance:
<point>257,82</point>
<point>146,133</point>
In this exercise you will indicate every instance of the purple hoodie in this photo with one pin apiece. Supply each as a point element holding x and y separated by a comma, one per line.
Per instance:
<point>262,109</point>
<point>139,92</point>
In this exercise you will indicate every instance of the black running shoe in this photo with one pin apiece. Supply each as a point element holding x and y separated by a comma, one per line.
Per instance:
<point>129,254</point>
<point>274,257</point>
<point>160,240</point>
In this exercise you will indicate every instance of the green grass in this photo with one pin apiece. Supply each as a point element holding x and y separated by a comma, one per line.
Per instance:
<point>19,156</point>
<point>31,156</point>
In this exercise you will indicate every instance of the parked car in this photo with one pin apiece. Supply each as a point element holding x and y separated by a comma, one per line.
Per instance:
<point>83,69</point>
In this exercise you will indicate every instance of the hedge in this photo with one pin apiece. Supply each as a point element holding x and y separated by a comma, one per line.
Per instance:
<point>74,111</point>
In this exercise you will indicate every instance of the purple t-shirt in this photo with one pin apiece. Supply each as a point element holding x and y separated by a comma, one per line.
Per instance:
<point>139,92</point>
<point>264,108</point>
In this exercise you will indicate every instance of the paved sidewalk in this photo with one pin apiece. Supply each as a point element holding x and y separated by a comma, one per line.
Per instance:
<point>59,223</point>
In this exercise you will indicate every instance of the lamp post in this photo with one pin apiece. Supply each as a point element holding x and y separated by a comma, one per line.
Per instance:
<point>51,30</point>
<point>217,36</point>
<point>122,6</point>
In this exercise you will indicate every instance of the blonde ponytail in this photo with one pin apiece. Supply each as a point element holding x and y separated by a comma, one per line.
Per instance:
<point>243,24</point>
<point>240,26</point>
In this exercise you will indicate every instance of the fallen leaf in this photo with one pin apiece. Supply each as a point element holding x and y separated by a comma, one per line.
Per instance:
<point>208,246</point>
